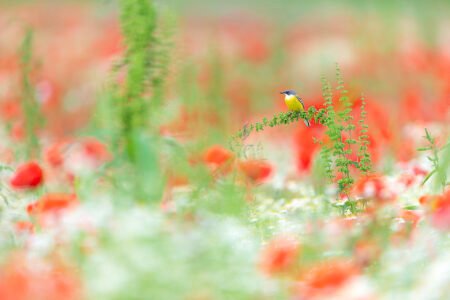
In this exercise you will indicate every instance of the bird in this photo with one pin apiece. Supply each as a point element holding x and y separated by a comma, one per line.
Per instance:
<point>294,102</point>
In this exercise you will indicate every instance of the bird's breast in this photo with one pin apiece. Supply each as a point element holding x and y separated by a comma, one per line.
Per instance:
<point>292,103</point>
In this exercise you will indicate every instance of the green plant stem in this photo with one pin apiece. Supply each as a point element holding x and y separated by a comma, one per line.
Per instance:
<point>29,104</point>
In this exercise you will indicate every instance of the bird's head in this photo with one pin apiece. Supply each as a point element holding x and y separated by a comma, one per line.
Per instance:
<point>288,93</point>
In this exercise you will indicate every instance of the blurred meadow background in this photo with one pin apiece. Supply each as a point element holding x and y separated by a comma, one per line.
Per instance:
<point>147,152</point>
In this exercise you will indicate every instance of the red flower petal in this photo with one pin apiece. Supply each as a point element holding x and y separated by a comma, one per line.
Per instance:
<point>52,203</point>
<point>256,170</point>
<point>29,175</point>
<point>217,155</point>
<point>279,255</point>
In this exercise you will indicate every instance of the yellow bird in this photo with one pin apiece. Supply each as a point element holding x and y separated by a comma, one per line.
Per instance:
<point>294,102</point>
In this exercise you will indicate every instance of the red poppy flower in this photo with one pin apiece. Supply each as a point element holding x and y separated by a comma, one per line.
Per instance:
<point>217,155</point>
<point>96,149</point>
<point>438,209</point>
<point>255,170</point>
<point>410,216</point>
<point>10,110</point>
<point>18,131</point>
<point>24,226</point>
<point>373,187</point>
<point>254,49</point>
<point>431,201</point>
<point>52,203</point>
<point>279,255</point>
<point>54,154</point>
<point>441,214</point>
<point>29,175</point>
<point>306,147</point>
<point>327,276</point>
<point>19,281</point>
<point>412,106</point>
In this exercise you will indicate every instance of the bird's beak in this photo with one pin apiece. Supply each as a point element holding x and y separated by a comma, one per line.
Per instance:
<point>281,93</point>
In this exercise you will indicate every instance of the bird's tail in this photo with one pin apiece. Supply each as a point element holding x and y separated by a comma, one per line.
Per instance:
<point>306,122</point>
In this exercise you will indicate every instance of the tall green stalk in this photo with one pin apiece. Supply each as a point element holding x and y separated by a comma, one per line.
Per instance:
<point>30,106</point>
<point>138,22</point>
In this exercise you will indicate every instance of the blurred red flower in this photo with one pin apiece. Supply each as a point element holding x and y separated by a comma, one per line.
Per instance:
<point>96,150</point>
<point>10,110</point>
<point>177,180</point>
<point>54,154</point>
<point>217,155</point>
<point>366,250</point>
<point>218,159</point>
<point>19,281</point>
<point>279,255</point>
<point>305,145</point>
<point>24,226</point>
<point>405,229</point>
<point>441,213</point>
<point>29,175</point>
<point>413,176</point>
<point>412,106</point>
<point>438,209</point>
<point>406,151</point>
<point>254,49</point>
<point>430,201</point>
<point>17,131</point>
<point>410,216</point>
<point>326,276</point>
<point>255,170</point>
<point>373,186</point>
<point>52,203</point>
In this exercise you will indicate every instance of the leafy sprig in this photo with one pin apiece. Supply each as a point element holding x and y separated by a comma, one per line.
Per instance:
<point>435,160</point>
<point>138,23</point>
<point>364,159</point>
<point>283,118</point>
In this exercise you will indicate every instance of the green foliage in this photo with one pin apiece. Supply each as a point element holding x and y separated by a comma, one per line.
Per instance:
<point>127,106</point>
<point>30,106</point>
<point>364,160</point>
<point>339,123</point>
<point>162,44</point>
<point>340,128</point>
<point>439,162</point>
<point>147,173</point>
<point>328,119</point>
<point>138,21</point>
<point>283,118</point>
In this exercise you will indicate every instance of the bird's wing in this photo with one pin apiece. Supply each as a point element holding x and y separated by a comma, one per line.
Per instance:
<point>301,101</point>
<point>304,108</point>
